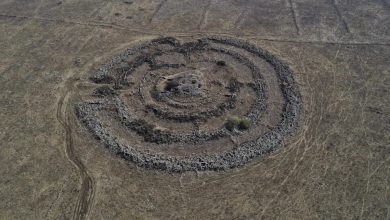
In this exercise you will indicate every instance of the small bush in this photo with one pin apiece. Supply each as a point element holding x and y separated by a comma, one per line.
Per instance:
<point>171,85</point>
<point>104,91</point>
<point>244,124</point>
<point>221,63</point>
<point>237,123</point>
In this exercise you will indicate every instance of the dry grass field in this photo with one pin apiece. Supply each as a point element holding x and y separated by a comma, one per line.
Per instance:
<point>334,165</point>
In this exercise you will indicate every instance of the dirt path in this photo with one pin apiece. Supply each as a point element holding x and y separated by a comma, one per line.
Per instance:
<point>86,193</point>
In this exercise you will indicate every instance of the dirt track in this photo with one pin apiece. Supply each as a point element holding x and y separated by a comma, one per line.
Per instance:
<point>86,191</point>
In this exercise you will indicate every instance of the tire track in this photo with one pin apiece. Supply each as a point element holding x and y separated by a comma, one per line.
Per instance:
<point>157,10</point>
<point>203,18</point>
<point>86,193</point>
<point>294,17</point>
<point>341,17</point>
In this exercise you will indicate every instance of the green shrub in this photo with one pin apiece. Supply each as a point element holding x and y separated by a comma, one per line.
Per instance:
<point>244,124</point>
<point>237,123</point>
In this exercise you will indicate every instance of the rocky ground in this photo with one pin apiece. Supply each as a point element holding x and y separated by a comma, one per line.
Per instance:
<point>335,166</point>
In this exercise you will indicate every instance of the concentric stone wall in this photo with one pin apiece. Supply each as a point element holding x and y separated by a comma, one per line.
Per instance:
<point>166,104</point>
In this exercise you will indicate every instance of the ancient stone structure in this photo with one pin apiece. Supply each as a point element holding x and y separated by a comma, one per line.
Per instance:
<point>164,104</point>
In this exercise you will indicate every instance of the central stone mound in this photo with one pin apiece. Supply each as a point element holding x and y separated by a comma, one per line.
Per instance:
<point>211,104</point>
<point>184,84</point>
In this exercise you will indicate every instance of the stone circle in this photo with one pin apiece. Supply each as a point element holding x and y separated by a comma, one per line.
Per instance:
<point>165,104</point>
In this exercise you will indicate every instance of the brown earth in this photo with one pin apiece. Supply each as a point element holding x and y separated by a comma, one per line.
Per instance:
<point>335,166</point>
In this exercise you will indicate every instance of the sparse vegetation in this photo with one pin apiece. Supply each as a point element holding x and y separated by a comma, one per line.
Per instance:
<point>221,63</point>
<point>237,123</point>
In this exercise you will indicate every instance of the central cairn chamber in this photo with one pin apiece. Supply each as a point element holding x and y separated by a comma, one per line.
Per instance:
<point>211,104</point>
